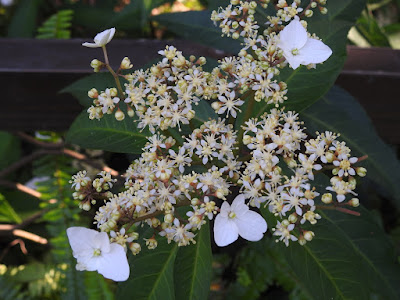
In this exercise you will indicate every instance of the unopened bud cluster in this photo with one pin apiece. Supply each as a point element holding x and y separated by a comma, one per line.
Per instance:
<point>89,191</point>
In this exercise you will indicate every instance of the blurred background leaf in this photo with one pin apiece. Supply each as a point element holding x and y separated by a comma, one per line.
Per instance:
<point>339,112</point>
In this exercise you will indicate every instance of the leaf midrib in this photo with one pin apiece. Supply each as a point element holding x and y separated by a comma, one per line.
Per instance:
<point>172,254</point>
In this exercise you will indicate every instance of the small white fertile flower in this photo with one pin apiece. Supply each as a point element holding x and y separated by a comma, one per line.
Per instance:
<point>101,39</point>
<point>93,252</point>
<point>235,220</point>
<point>298,48</point>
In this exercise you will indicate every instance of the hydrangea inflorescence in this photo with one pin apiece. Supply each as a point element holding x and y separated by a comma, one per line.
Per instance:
<point>269,162</point>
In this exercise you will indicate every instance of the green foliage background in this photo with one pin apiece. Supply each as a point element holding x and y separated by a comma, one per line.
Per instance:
<point>350,258</point>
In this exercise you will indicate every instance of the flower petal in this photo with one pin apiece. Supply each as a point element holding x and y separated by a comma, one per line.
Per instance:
<point>114,264</point>
<point>225,231</point>
<point>314,52</point>
<point>293,36</point>
<point>251,226</point>
<point>91,45</point>
<point>225,209</point>
<point>238,206</point>
<point>81,240</point>
<point>111,34</point>
<point>102,242</point>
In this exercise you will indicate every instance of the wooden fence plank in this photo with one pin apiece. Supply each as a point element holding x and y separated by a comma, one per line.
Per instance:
<point>33,71</point>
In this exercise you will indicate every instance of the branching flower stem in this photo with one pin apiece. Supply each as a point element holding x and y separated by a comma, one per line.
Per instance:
<point>338,208</point>
<point>249,95</point>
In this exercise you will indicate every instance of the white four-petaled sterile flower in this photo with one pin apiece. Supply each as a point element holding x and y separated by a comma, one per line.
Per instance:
<point>93,252</point>
<point>237,219</point>
<point>298,48</point>
<point>101,39</point>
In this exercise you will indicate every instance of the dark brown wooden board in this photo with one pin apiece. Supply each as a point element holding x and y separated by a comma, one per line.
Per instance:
<point>32,72</point>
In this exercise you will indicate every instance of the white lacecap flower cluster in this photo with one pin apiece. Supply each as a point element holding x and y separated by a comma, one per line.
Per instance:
<point>269,163</point>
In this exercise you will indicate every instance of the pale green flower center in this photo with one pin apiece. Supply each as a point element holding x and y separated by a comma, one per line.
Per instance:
<point>232,215</point>
<point>295,51</point>
<point>96,252</point>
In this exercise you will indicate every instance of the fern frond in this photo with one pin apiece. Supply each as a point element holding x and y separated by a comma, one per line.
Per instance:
<point>62,214</point>
<point>97,287</point>
<point>10,290</point>
<point>57,26</point>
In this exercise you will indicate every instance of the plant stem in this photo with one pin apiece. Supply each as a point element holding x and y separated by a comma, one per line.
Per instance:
<point>116,78</point>
<point>249,110</point>
<point>342,209</point>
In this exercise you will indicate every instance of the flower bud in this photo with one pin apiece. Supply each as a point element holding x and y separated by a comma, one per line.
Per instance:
<point>93,93</point>
<point>334,180</point>
<point>86,206</point>
<point>313,4</point>
<point>135,248</point>
<point>134,236</point>
<point>235,35</point>
<point>361,171</point>
<point>155,222</point>
<point>285,223</point>
<point>308,13</point>
<point>113,92</point>
<point>151,243</point>
<point>354,202</point>
<point>326,198</point>
<point>302,241</point>
<point>131,112</point>
<point>291,162</point>
<point>168,218</point>
<point>216,105</point>
<point>126,64</point>
<point>96,65</point>
<point>195,201</point>
<point>308,236</point>
<point>293,218</point>
<point>119,115</point>
<point>202,60</point>
<point>111,224</point>
<point>329,157</point>
<point>190,115</point>
<point>242,53</point>
<point>247,139</point>
<point>323,10</point>
<point>154,70</point>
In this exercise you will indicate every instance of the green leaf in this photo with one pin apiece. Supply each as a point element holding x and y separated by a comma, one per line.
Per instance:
<point>339,112</point>
<point>371,31</point>
<point>7,212</point>
<point>9,290</point>
<point>10,149</point>
<point>198,27</point>
<point>204,112</point>
<point>107,134</point>
<point>97,287</point>
<point>23,23</point>
<point>93,17</point>
<point>79,89</point>
<point>349,258</point>
<point>57,26</point>
<point>192,272</point>
<point>135,16</point>
<point>307,86</point>
<point>151,274</point>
